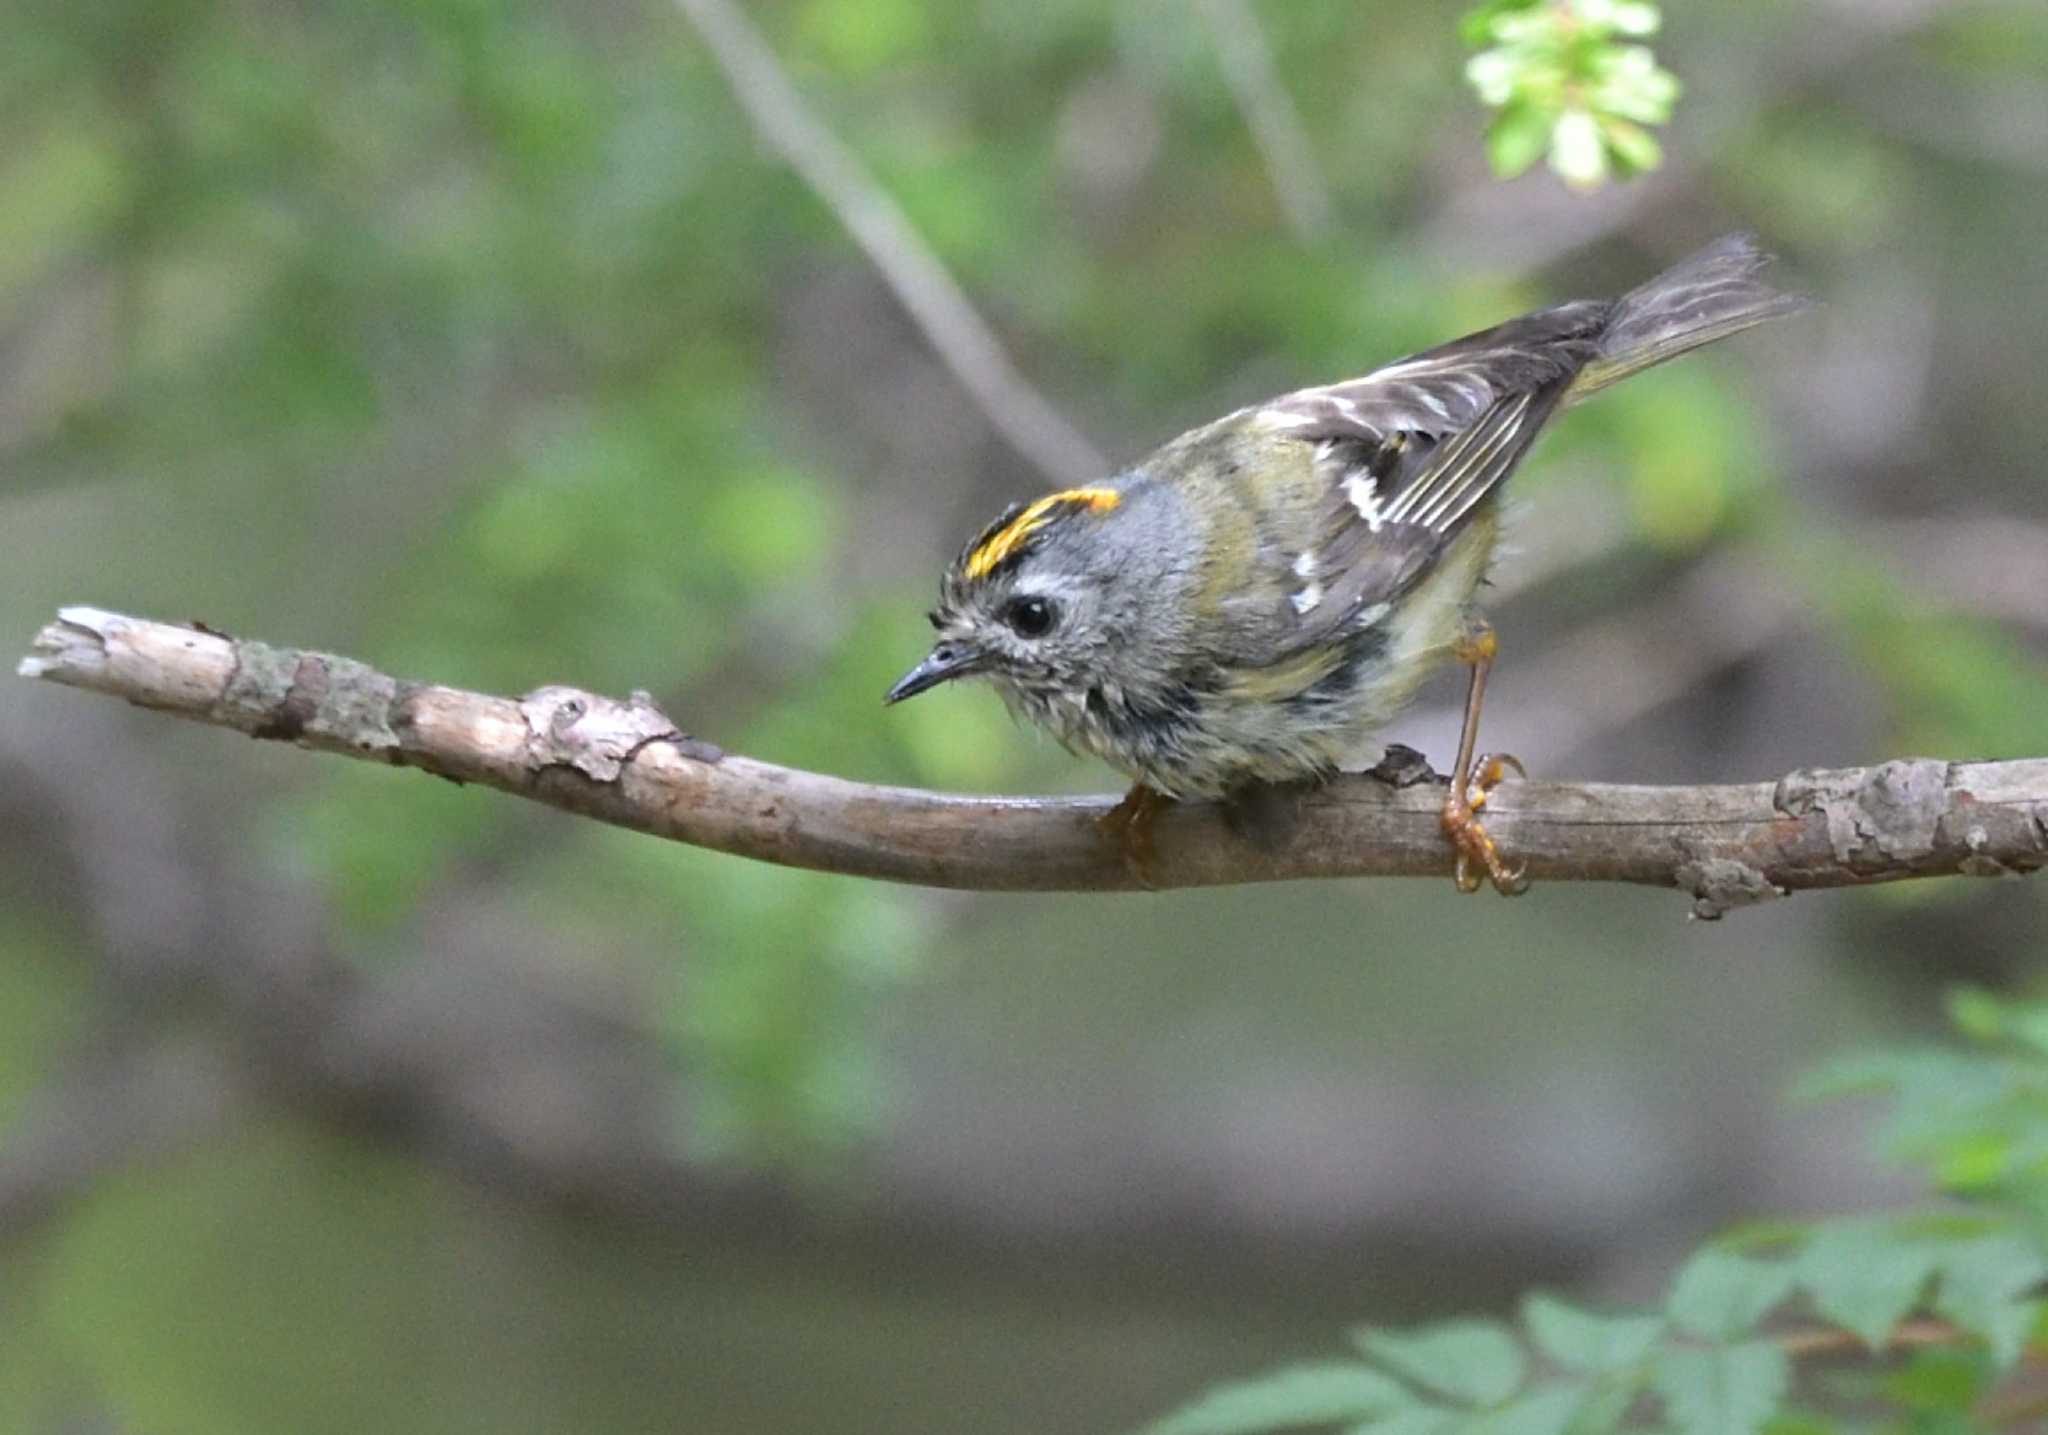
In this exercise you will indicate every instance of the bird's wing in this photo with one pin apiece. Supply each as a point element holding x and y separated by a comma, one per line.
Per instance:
<point>1442,390</point>
<point>1407,453</point>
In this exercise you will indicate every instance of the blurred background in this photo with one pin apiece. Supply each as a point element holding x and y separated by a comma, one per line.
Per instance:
<point>493,344</point>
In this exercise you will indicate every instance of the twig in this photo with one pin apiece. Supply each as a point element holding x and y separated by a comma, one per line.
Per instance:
<point>2026,1405</point>
<point>2004,1407</point>
<point>1024,417</point>
<point>1270,115</point>
<point>625,763</point>
<point>1809,1341</point>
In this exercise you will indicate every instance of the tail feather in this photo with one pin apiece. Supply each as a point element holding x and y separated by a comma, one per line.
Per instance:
<point>1710,295</point>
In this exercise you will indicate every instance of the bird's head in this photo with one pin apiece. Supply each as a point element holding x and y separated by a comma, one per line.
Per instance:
<point>1042,597</point>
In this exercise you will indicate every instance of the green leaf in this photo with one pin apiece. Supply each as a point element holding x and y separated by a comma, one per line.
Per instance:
<point>1974,1160</point>
<point>1298,1395</point>
<point>1479,27</point>
<point>1415,1420</point>
<point>1635,149</point>
<point>1865,1278</point>
<point>1950,1380</point>
<point>1976,1013</point>
<point>1548,1411</point>
<point>865,36</point>
<point>1635,17</point>
<point>1801,1423</point>
<point>2006,1328</point>
<point>1517,137</point>
<point>1721,1295</point>
<point>1981,1286</point>
<point>1730,1391</point>
<point>1846,1074</point>
<point>1605,1406</point>
<point>1627,81</point>
<point>1535,29</point>
<point>1470,1360</point>
<point>1576,150</point>
<point>1596,1344</point>
<point>1767,1236</point>
<point>1942,1422</point>
<point>1552,1410</point>
<point>2029,1023</point>
<point>1494,75</point>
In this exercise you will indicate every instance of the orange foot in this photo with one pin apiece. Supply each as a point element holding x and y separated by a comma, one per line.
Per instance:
<point>1129,826</point>
<point>1468,834</point>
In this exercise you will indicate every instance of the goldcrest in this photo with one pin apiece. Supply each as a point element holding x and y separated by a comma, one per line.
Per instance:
<point>1252,601</point>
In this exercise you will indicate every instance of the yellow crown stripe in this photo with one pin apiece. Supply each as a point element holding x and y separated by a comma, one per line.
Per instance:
<point>985,559</point>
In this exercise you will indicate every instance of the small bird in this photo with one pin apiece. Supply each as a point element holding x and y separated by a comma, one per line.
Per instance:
<point>1250,602</point>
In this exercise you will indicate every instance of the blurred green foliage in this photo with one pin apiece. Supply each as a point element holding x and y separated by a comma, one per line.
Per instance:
<point>40,1004</point>
<point>487,343</point>
<point>1718,1357</point>
<point>478,307</point>
<point>530,261</point>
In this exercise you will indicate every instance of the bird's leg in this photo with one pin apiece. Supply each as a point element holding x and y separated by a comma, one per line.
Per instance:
<point>1129,826</point>
<point>1473,778</point>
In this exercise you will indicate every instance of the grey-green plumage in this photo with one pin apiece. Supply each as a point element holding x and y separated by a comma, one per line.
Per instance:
<point>1253,599</point>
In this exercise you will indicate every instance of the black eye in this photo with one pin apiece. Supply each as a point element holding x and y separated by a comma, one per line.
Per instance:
<point>1030,617</point>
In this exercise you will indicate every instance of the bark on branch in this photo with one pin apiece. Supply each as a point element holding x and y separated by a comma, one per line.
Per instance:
<point>626,763</point>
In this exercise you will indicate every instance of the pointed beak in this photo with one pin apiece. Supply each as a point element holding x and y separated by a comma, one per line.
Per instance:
<point>947,661</point>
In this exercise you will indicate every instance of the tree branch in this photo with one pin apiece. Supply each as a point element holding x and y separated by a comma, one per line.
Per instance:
<point>1270,115</point>
<point>1025,418</point>
<point>626,763</point>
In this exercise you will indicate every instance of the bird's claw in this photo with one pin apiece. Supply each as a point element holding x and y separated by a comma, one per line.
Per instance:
<point>1468,835</point>
<point>1129,826</point>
